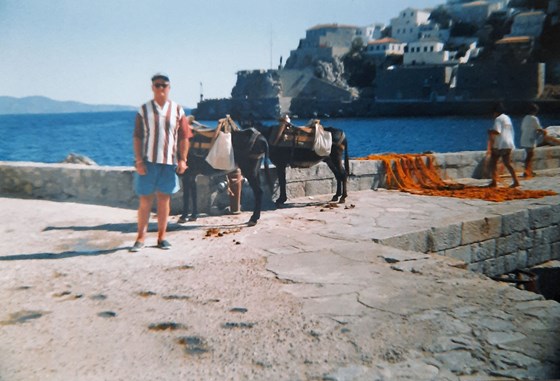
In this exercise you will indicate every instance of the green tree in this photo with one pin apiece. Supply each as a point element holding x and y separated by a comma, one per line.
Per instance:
<point>463,29</point>
<point>441,16</point>
<point>358,68</point>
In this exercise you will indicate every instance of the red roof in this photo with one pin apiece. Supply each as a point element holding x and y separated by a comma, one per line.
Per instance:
<point>333,25</point>
<point>386,40</point>
<point>514,40</point>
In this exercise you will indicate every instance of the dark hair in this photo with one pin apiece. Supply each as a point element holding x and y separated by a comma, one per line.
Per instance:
<point>160,76</point>
<point>533,108</point>
<point>499,108</point>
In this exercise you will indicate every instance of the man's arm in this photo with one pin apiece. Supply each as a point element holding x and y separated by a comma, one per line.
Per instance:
<point>137,146</point>
<point>184,145</point>
<point>491,137</point>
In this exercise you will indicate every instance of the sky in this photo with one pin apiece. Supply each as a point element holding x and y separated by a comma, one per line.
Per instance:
<point>106,51</point>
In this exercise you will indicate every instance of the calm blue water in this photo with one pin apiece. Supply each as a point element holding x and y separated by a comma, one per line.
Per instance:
<point>107,137</point>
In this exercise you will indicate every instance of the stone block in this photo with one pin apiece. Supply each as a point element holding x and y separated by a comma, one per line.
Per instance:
<point>295,190</point>
<point>366,167</point>
<point>298,174</point>
<point>510,263</point>
<point>522,259</point>
<point>541,236</point>
<point>451,173</point>
<point>369,183</point>
<point>414,241</point>
<point>541,217</point>
<point>509,244</point>
<point>445,237</point>
<point>538,254</point>
<point>495,266</point>
<point>321,171</point>
<point>462,253</point>
<point>555,251</point>
<point>481,229</point>
<point>545,252</point>
<point>515,222</point>
<point>466,159</point>
<point>527,240</point>
<point>483,250</point>
<point>317,187</point>
<point>477,267</point>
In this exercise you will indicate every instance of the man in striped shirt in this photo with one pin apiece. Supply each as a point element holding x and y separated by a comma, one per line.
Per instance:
<point>161,146</point>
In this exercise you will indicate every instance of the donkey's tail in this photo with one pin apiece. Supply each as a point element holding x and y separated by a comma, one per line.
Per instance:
<point>346,160</point>
<point>266,168</point>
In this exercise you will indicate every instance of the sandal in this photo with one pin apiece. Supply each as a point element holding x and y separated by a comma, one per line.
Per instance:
<point>136,247</point>
<point>164,245</point>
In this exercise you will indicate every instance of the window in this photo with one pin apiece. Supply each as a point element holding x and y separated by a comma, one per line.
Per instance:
<point>425,48</point>
<point>431,48</point>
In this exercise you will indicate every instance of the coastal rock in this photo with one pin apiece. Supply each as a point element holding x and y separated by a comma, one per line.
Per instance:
<point>74,158</point>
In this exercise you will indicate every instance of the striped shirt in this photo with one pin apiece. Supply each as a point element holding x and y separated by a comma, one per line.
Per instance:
<point>160,129</point>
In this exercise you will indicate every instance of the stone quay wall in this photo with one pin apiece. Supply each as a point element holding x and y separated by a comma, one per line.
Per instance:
<point>492,244</point>
<point>112,186</point>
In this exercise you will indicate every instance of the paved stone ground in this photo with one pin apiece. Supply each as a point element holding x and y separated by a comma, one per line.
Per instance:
<point>305,295</point>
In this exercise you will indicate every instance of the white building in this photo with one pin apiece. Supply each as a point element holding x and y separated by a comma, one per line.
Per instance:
<point>405,27</point>
<point>475,12</point>
<point>528,24</point>
<point>330,36</point>
<point>433,31</point>
<point>425,52</point>
<point>385,47</point>
<point>431,52</point>
<point>322,42</point>
<point>370,33</point>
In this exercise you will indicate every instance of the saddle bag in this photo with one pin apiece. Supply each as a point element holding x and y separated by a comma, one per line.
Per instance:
<point>221,155</point>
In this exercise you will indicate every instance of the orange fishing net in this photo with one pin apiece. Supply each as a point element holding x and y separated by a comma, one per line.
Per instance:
<point>415,173</point>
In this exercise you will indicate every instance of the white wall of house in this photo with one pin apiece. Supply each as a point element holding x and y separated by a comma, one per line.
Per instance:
<point>433,31</point>
<point>370,32</point>
<point>475,12</point>
<point>329,35</point>
<point>385,47</point>
<point>425,52</point>
<point>405,27</point>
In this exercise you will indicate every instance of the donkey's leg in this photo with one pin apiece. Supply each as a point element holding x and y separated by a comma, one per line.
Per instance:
<point>194,198</point>
<point>255,183</point>
<point>281,173</point>
<point>341,179</point>
<point>185,179</point>
<point>336,171</point>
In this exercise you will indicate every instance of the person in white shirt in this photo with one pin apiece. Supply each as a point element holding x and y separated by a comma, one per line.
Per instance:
<point>530,131</point>
<point>501,144</point>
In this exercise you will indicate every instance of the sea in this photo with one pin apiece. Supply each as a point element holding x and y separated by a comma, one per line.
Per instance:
<point>106,137</point>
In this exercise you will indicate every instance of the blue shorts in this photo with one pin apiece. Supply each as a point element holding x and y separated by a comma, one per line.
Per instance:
<point>158,178</point>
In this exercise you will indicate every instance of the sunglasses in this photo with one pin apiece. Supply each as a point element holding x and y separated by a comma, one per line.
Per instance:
<point>161,85</point>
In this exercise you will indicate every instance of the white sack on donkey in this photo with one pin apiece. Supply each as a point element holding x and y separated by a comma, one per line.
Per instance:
<point>323,141</point>
<point>220,155</point>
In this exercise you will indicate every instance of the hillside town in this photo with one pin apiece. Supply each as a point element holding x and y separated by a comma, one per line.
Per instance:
<point>456,58</point>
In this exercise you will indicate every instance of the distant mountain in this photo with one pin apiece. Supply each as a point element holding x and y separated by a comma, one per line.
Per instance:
<point>44,105</point>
